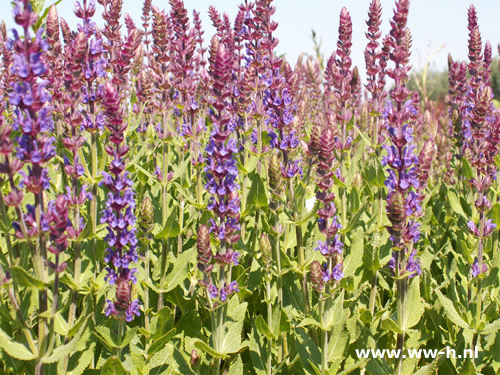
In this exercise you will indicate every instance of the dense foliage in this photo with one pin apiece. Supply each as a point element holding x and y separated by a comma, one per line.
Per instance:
<point>172,205</point>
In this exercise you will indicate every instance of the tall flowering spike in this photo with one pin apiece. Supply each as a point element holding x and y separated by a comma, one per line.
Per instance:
<point>331,248</point>
<point>221,175</point>
<point>119,214</point>
<point>404,181</point>
<point>32,113</point>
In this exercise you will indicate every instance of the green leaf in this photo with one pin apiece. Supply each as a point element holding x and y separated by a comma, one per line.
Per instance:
<point>309,321</point>
<point>258,194</point>
<point>129,335</point>
<point>353,223</point>
<point>455,202</point>
<point>355,257</point>
<point>180,271</point>
<point>65,350</point>
<point>334,314</point>
<point>24,279</point>
<point>450,310</point>
<point>161,342</point>
<point>113,366</point>
<point>491,327</point>
<point>414,308</point>
<point>234,324</point>
<point>308,352</point>
<point>83,359</point>
<point>494,214</point>
<point>15,349</point>
<point>258,351</point>
<point>387,324</point>
<point>263,328</point>
<point>87,231</point>
<point>172,227</point>
<point>180,170</point>
<point>468,368</point>
<point>207,349</point>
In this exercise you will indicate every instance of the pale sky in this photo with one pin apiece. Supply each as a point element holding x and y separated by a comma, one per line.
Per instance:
<point>432,23</point>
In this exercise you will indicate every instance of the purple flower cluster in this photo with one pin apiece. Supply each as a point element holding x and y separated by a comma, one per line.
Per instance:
<point>403,204</point>
<point>119,215</point>
<point>221,174</point>
<point>331,248</point>
<point>32,117</point>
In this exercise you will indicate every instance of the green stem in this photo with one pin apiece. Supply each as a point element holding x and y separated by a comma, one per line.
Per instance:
<point>269,322</point>
<point>402,286</point>
<point>146,293</point>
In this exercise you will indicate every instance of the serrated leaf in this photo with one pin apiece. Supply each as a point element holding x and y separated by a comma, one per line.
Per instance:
<point>263,328</point>
<point>309,321</point>
<point>414,308</point>
<point>491,327</point>
<point>15,349</point>
<point>24,279</point>
<point>172,227</point>
<point>65,350</point>
<point>113,366</point>
<point>468,368</point>
<point>450,310</point>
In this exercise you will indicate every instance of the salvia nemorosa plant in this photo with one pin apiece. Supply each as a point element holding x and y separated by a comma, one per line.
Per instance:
<point>221,175</point>
<point>254,215</point>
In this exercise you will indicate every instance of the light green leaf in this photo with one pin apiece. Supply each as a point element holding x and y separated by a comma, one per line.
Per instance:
<point>113,366</point>
<point>172,227</point>
<point>450,310</point>
<point>258,194</point>
<point>180,270</point>
<point>468,368</point>
<point>65,350</point>
<point>414,308</point>
<point>84,360</point>
<point>353,223</point>
<point>387,324</point>
<point>15,349</point>
<point>234,324</point>
<point>455,202</point>
<point>355,257</point>
<point>207,349</point>
<point>491,327</point>
<point>161,342</point>
<point>334,314</point>
<point>24,279</point>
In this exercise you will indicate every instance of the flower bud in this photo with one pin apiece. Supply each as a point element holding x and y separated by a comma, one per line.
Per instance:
<point>316,276</point>
<point>146,215</point>
<point>396,209</point>
<point>357,181</point>
<point>195,359</point>
<point>265,247</point>
<point>203,245</point>
<point>275,178</point>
